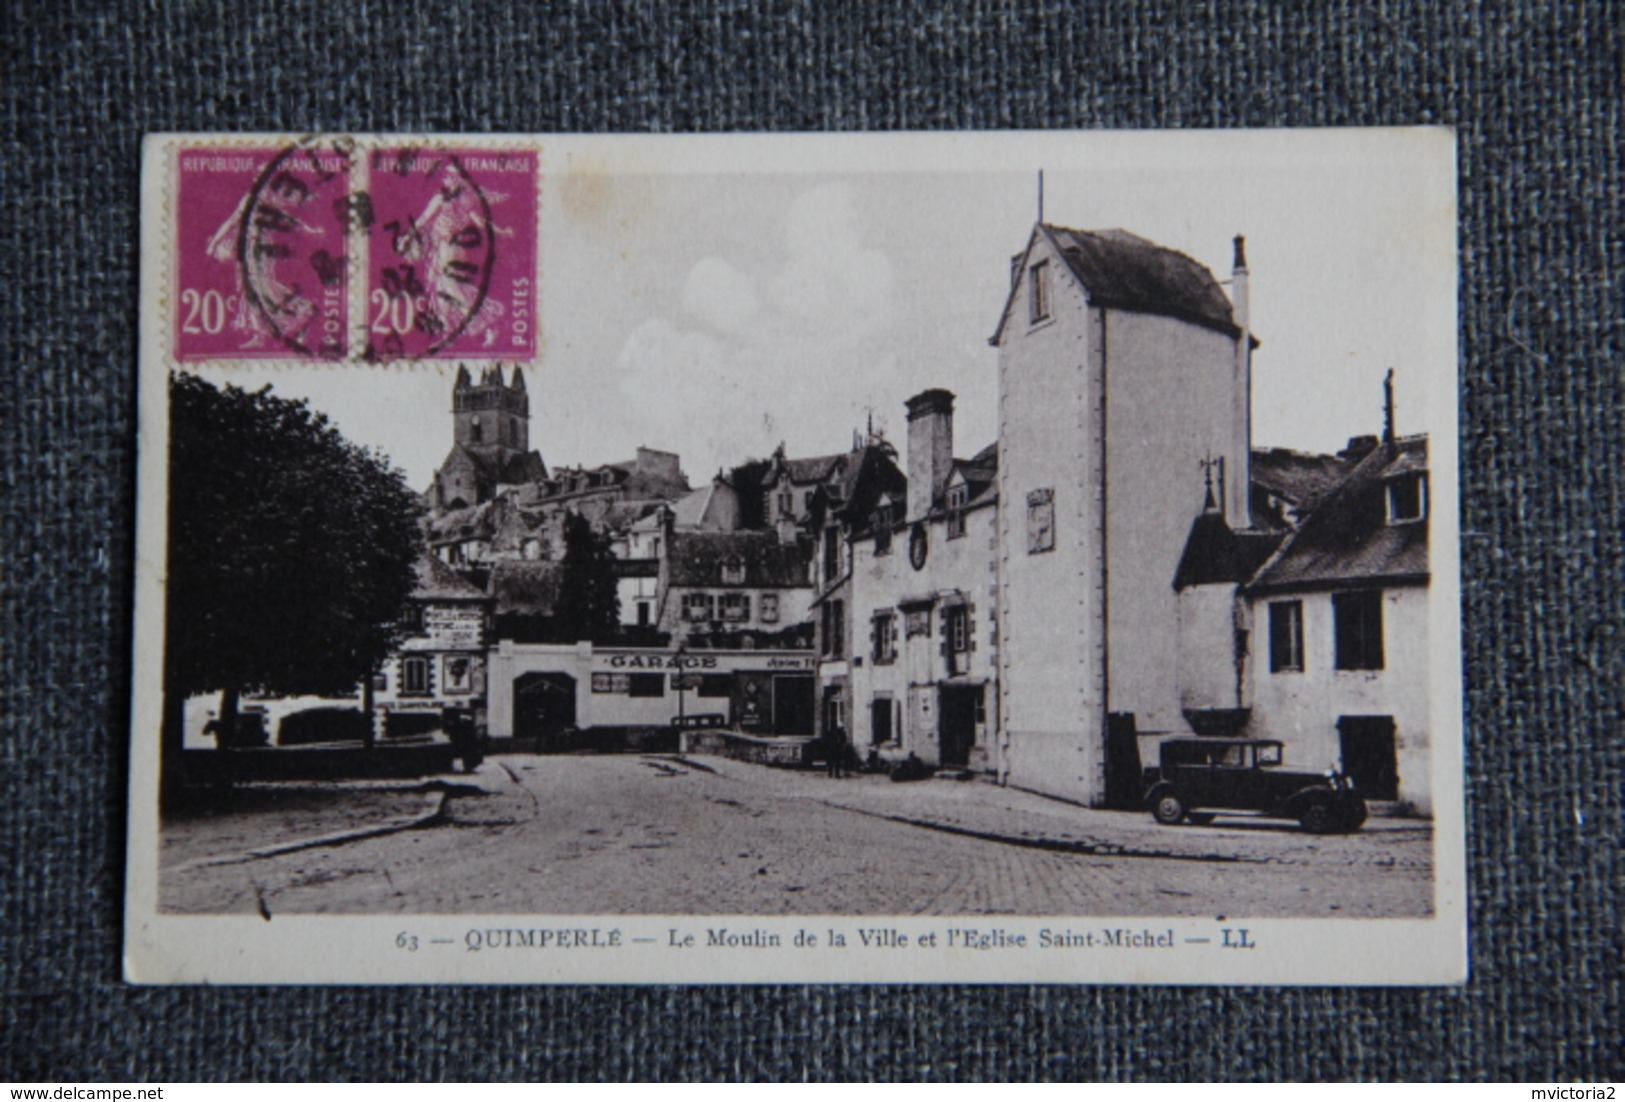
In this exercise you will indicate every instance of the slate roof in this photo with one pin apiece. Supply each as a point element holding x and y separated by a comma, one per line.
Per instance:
<point>981,473</point>
<point>494,468</point>
<point>438,582</point>
<point>469,522</point>
<point>871,473</point>
<point>1127,272</point>
<point>689,511</point>
<point>696,558</point>
<point>525,588</point>
<point>1347,540</point>
<point>1123,271</point>
<point>1215,553</point>
<point>813,469</point>
<point>1303,478</point>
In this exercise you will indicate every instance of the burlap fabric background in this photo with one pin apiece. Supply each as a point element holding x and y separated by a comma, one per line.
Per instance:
<point>1535,92</point>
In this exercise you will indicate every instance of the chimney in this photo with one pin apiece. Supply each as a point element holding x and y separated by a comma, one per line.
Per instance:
<point>1388,407</point>
<point>1238,468</point>
<point>1358,448</point>
<point>930,448</point>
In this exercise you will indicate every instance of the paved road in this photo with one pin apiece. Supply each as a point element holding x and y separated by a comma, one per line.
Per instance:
<point>662,835</point>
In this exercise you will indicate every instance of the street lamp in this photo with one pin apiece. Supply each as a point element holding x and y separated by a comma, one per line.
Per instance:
<point>682,684</point>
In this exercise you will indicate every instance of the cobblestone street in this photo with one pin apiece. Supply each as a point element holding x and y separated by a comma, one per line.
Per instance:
<point>668,835</point>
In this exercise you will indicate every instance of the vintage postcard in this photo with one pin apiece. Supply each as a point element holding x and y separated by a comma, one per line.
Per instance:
<point>1012,558</point>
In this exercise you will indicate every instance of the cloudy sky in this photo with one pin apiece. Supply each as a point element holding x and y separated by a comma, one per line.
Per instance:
<point>716,297</point>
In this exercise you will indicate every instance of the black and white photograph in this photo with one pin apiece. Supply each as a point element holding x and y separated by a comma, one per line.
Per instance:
<point>931,558</point>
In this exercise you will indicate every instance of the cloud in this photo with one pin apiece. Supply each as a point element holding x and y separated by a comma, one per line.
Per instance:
<point>744,368</point>
<point>828,274</point>
<point>720,295</point>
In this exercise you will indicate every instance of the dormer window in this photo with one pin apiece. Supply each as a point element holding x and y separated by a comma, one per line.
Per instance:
<point>958,497</point>
<point>1407,498</point>
<point>733,570</point>
<point>883,530</point>
<point>1038,292</point>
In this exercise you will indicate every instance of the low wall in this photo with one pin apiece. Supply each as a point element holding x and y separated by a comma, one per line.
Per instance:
<point>783,750</point>
<point>319,763</point>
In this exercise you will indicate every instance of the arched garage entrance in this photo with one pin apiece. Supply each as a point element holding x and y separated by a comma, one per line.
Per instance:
<point>544,704</point>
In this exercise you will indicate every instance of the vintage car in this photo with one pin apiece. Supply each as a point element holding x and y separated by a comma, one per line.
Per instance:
<point>1198,776</point>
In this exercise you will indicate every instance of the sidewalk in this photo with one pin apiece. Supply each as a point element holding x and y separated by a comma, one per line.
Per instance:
<point>980,808</point>
<point>262,819</point>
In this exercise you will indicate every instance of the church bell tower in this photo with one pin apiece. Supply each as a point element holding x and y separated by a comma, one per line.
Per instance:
<point>491,417</point>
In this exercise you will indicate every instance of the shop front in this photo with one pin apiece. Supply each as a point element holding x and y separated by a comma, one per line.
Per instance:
<point>540,689</point>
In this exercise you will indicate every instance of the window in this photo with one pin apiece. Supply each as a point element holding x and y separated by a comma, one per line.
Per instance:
<point>832,553</point>
<point>957,497</point>
<point>769,608</point>
<point>644,613</point>
<point>1038,291</point>
<point>956,630</point>
<point>412,619</point>
<point>883,637</point>
<point>698,607</point>
<point>716,684</point>
<point>1407,498</point>
<point>786,504</point>
<point>646,684</point>
<point>610,682</point>
<point>917,622</point>
<point>1357,625</point>
<point>883,530</point>
<point>833,636</point>
<point>415,676</point>
<point>736,607</point>
<point>1286,636</point>
<point>880,719</point>
<point>476,432</point>
<point>1040,521</point>
<point>733,570</point>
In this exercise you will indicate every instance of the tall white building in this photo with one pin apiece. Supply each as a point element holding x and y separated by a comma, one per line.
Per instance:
<point>1124,380</point>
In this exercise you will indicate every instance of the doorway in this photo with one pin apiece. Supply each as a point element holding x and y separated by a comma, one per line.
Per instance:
<point>1125,777</point>
<point>544,705</point>
<point>880,720</point>
<point>1370,755</point>
<point>956,724</point>
<point>794,697</point>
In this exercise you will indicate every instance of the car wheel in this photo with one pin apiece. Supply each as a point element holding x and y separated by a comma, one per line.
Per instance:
<point>1318,815</point>
<point>1166,807</point>
<point>1200,818</point>
<point>1354,814</point>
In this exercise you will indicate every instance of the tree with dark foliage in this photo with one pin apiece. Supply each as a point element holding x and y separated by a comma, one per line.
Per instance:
<point>589,605</point>
<point>291,553</point>
<point>746,480</point>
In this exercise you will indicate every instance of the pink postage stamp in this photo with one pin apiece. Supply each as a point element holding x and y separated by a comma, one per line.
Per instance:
<point>260,270</point>
<point>451,255</point>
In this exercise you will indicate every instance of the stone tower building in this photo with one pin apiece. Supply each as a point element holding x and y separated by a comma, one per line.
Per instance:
<point>1124,373</point>
<point>490,441</point>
